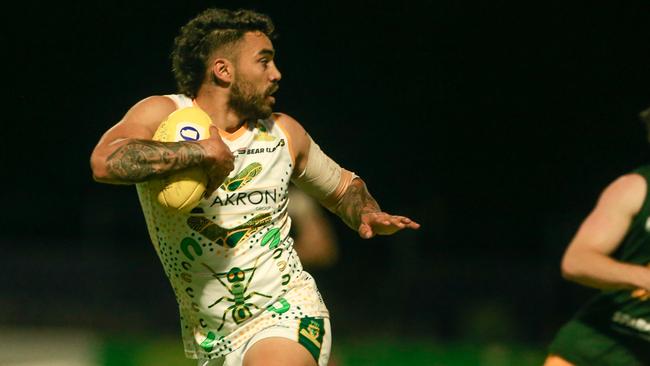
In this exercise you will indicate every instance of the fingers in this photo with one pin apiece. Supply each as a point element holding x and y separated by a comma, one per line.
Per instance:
<point>408,223</point>
<point>214,132</point>
<point>208,192</point>
<point>210,188</point>
<point>404,222</point>
<point>219,161</point>
<point>365,231</point>
<point>384,224</point>
<point>216,176</point>
<point>394,220</point>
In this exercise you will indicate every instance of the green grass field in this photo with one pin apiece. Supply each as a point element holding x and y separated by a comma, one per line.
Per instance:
<point>141,351</point>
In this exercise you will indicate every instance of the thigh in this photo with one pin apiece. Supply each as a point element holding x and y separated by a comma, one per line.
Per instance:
<point>277,351</point>
<point>298,342</point>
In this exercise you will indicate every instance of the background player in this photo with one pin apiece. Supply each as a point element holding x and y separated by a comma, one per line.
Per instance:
<point>611,252</point>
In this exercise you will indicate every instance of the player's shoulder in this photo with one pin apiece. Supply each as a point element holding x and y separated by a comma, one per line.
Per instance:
<point>290,125</point>
<point>298,137</point>
<point>156,103</point>
<point>286,121</point>
<point>628,190</point>
<point>155,107</point>
<point>148,113</point>
<point>632,181</point>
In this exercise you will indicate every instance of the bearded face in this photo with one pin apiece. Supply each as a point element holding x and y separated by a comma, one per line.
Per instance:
<point>249,101</point>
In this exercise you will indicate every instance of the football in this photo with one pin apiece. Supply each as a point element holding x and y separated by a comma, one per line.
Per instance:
<point>182,191</point>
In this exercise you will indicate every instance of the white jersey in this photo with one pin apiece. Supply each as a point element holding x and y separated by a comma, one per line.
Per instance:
<point>231,261</point>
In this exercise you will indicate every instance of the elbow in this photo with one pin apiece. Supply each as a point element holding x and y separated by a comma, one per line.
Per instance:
<point>98,168</point>
<point>570,268</point>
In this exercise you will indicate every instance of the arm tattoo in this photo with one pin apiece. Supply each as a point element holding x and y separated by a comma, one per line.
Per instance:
<point>139,160</point>
<point>356,201</point>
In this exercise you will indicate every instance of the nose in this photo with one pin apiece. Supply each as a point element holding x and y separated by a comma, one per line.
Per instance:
<point>275,74</point>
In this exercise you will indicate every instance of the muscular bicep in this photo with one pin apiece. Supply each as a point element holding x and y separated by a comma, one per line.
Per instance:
<point>608,223</point>
<point>139,123</point>
<point>601,232</point>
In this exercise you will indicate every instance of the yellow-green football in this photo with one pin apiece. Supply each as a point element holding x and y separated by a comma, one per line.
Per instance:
<point>182,191</point>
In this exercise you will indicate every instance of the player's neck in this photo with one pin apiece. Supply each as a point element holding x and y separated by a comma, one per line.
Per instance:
<point>216,106</point>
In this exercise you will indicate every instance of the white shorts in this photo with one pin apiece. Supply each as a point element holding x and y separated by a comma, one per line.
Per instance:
<point>312,333</point>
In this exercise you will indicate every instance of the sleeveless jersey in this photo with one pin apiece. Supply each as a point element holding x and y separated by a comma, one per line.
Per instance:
<point>231,261</point>
<point>626,311</point>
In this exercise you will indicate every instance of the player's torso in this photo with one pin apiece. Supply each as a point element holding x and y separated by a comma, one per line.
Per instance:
<point>243,230</point>
<point>231,257</point>
<point>627,311</point>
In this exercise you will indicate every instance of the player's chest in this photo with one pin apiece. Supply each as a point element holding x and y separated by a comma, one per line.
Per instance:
<point>260,179</point>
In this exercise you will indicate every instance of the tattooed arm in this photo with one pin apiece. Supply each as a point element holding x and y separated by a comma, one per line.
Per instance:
<point>126,154</point>
<point>355,202</point>
<point>359,210</point>
<point>138,160</point>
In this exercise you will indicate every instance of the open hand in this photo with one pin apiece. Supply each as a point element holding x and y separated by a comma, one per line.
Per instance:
<point>381,223</point>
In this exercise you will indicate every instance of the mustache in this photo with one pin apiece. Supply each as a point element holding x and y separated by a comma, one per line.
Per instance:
<point>272,89</point>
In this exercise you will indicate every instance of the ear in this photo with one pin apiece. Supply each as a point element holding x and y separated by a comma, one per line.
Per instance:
<point>222,70</point>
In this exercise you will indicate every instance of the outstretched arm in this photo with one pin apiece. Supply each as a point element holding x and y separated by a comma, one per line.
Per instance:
<point>359,210</point>
<point>587,259</point>
<point>339,190</point>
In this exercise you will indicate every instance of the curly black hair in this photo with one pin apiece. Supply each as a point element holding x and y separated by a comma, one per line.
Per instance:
<point>208,31</point>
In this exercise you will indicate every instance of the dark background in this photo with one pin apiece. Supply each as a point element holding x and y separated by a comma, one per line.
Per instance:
<point>493,124</point>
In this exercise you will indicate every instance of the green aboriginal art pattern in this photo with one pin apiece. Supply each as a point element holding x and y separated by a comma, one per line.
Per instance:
<point>188,243</point>
<point>237,286</point>
<point>224,237</point>
<point>272,238</point>
<point>209,341</point>
<point>242,178</point>
<point>283,307</point>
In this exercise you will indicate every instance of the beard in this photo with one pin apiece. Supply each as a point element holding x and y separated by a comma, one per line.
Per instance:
<point>248,103</point>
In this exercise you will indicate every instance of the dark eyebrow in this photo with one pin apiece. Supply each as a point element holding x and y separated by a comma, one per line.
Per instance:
<point>266,52</point>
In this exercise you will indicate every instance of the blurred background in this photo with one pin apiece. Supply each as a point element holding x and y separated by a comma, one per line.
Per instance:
<point>493,124</point>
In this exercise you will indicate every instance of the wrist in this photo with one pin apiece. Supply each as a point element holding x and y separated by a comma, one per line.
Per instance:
<point>203,157</point>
